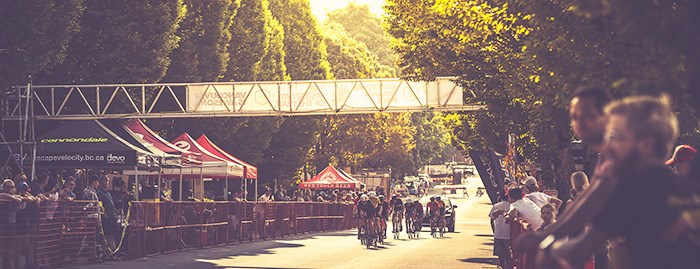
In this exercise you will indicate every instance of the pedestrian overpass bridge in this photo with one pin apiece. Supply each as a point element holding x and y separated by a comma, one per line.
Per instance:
<point>233,99</point>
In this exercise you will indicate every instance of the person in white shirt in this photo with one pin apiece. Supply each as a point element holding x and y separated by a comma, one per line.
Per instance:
<point>539,198</point>
<point>524,208</point>
<point>501,233</point>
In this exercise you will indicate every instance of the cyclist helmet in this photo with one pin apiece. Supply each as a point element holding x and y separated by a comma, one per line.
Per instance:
<point>364,197</point>
<point>381,197</point>
<point>372,194</point>
<point>409,200</point>
<point>438,198</point>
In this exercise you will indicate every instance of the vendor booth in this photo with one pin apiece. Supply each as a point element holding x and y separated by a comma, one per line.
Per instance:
<point>212,166</point>
<point>191,161</point>
<point>90,144</point>
<point>250,172</point>
<point>331,178</point>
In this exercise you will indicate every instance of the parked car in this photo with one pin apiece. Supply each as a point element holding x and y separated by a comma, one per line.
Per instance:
<point>449,212</point>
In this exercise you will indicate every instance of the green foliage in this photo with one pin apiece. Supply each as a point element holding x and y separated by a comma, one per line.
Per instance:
<point>522,59</point>
<point>305,51</point>
<point>348,58</point>
<point>203,51</point>
<point>249,42</point>
<point>273,67</point>
<point>35,36</point>
<point>363,26</point>
<point>122,42</point>
<point>305,59</point>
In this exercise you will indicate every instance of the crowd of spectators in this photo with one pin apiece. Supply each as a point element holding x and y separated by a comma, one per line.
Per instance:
<point>19,213</point>
<point>634,210</point>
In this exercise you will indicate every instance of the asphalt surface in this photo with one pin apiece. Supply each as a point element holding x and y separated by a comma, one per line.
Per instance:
<point>471,246</point>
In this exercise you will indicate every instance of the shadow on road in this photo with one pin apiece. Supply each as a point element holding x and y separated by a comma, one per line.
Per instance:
<point>492,261</point>
<point>484,235</point>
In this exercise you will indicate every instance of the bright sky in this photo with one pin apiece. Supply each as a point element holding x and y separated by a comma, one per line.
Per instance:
<point>321,7</point>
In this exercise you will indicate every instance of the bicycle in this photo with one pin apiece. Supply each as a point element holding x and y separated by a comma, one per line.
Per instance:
<point>433,224</point>
<point>441,225</point>
<point>479,192</point>
<point>369,238</point>
<point>396,222</point>
<point>410,218</point>
<point>417,225</point>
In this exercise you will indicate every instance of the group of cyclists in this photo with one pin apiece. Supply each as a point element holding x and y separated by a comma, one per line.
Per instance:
<point>373,212</point>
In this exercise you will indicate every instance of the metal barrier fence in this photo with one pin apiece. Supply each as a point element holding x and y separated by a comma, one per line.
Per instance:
<point>49,234</point>
<point>160,227</point>
<point>55,234</point>
<point>527,260</point>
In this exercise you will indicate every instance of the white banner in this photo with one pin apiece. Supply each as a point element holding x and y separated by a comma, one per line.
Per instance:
<point>323,95</point>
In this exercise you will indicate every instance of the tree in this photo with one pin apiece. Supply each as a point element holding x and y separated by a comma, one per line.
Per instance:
<point>305,51</point>
<point>35,36</point>
<point>121,42</point>
<point>250,41</point>
<point>273,67</point>
<point>365,27</point>
<point>305,59</point>
<point>349,58</point>
<point>203,54</point>
<point>523,58</point>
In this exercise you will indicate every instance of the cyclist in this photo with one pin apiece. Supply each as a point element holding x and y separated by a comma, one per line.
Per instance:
<point>375,212</point>
<point>410,215</point>
<point>397,209</point>
<point>419,215</point>
<point>383,214</point>
<point>441,211</point>
<point>433,207</point>
<point>365,210</point>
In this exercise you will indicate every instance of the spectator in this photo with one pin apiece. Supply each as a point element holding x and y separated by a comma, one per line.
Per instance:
<point>682,160</point>
<point>549,215</point>
<point>539,198</point>
<point>21,177</point>
<point>641,131</point>
<point>9,205</point>
<point>62,194</point>
<point>501,233</point>
<point>588,120</point>
<point>26,224</point>
<point>524,208</point>
<point>109,218</point>
<point>70,183</point>
<point>38,186</point>
<point>90,192</point>
<point>579,183</point>
<point>260,210</point>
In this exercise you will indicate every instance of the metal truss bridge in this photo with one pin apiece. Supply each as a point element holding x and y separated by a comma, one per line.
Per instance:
<point>232,99</point>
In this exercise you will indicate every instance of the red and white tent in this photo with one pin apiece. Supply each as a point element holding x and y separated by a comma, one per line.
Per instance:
<point>249,171</point>
<point>189,158</point>
<point>331,178</point>
<point>212,165</point>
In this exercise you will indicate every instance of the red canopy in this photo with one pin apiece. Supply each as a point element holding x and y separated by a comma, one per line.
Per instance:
<point>189,158</point>
<point>331,178</point>
<point>213,165</point>
<point>249,171</point>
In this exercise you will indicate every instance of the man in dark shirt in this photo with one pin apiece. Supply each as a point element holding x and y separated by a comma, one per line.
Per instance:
<point>38,185</point>
<point>641,131</point>
<point>109,218</point>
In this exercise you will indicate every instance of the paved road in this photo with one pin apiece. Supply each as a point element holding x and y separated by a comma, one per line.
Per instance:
<point>469,247</point>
